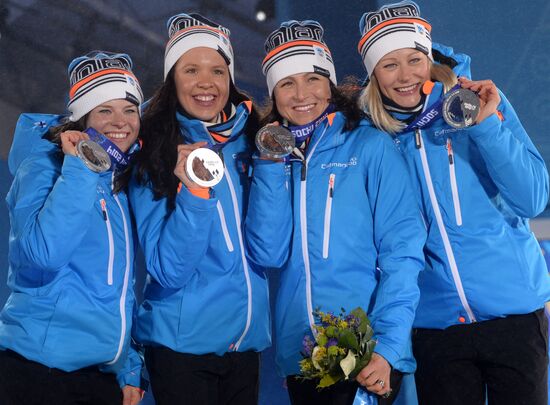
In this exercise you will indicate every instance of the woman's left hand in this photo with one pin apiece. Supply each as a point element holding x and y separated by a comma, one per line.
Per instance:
<point>375,377</point>
<point>488,96</point>
<point>131,395</point>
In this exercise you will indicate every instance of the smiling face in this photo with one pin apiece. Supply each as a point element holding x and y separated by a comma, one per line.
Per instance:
<point>118,120</point>
<point>202,83</point>
<point>302,97</point>
<point>401,74</point>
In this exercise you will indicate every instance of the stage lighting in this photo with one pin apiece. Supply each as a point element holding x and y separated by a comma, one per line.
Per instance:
<point>265,10</point>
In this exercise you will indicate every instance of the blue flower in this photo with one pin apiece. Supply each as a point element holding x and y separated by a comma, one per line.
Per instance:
<point>332,342</point>
<point>308,344</point>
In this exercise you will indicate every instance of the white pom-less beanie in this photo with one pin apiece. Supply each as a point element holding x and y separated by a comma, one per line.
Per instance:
<point>394,26</point>
<point>188,31</point>
<point>296,47</point>
<point>99,77</point>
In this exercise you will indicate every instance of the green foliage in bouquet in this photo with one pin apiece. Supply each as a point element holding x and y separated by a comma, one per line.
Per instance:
<point>343,346</point>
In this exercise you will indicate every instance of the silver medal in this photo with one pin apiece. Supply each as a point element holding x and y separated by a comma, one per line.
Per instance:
<point>204,167</point>
<point>461,108</point>
<point>93,156</point>
<point>274,141</point>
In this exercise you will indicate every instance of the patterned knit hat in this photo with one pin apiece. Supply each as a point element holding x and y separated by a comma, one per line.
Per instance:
<point>188,31</point>
<point>296,47</point>
<point>99,77</point>
<point>394,26</point>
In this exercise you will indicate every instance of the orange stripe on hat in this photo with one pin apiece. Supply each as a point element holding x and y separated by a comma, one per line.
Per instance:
<point>390,22</point>
<point>194,27</point>
<point>291,44</point>
<point>82,82</point>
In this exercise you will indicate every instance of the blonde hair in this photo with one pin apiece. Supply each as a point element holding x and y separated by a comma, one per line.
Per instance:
<point>370,99</point>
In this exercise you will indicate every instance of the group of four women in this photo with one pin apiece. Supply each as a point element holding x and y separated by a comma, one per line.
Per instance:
<point>381,205</point>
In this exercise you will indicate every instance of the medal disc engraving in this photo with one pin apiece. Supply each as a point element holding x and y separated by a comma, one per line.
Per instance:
<point>204,167</point>
<point>93,156</point>
<point>274,141</point>
<point>461,108</point>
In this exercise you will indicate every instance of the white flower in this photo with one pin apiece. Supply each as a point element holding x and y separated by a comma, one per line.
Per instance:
<point>347,364</point>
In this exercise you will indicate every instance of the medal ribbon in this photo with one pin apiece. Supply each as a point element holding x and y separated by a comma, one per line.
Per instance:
<point>118,158</point>
<point>302,132</point>
<point>430,114</point>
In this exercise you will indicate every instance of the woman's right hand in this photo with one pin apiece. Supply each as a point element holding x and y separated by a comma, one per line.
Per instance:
<point>179,170</point>
<point>69,140</point>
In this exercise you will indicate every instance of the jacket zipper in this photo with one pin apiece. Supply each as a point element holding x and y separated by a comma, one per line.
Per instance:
<point>122,302</point>
<point>111,242</point>
<point>303,230</point>
<point>243,258</point>
<point>442,230</point>
<point>328,211</point>
<point>454,187</point>
<point>225,231</point>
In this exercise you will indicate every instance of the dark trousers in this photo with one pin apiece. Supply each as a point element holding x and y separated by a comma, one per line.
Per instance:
<point>208,379</point>
<point>26,382</point>
<point>305,392</point>
<point>505,359</point>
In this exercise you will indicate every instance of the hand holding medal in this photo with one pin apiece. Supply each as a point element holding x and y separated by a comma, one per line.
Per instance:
<point>78,144</point>
<point>487,93</point>
<point>69,140</point>
<point>197,166</point>
<point>460,107</point>
<point>274,141</point>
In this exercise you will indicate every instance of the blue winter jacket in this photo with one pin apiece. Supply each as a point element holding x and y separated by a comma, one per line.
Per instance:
<point>346,232</point>
<point>203,295</point>
<point>70,260</point>
<point>478,187</point>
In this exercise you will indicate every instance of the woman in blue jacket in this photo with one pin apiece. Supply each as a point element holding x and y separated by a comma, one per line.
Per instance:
<point>480,325</point>
<point>338,217</point>
<point>205,315</point>
<point>65,328</point>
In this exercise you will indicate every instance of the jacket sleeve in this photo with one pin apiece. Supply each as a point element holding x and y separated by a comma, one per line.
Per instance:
<point>268,224</point>
<point>399,236</point>
<point>513,162</point>
<point>50,211</point>
<point>175,241</point>
<point>131,373</point>
<point>129,368</point>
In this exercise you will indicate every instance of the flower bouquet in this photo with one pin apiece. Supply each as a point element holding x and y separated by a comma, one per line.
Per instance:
<point>342,347</point>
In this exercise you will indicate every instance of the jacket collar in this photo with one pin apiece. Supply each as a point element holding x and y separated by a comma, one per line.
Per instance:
<point>193,130</point>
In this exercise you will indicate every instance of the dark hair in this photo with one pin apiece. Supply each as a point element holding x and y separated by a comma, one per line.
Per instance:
<point>160,135</point>
<point>54,133</point>
<point>342,97</point>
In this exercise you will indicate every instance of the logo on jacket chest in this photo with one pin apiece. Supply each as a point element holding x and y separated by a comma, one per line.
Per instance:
<point>447,131</point>
<point>341,165</point>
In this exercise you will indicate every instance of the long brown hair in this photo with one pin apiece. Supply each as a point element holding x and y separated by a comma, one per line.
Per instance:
<point>160,135</point>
